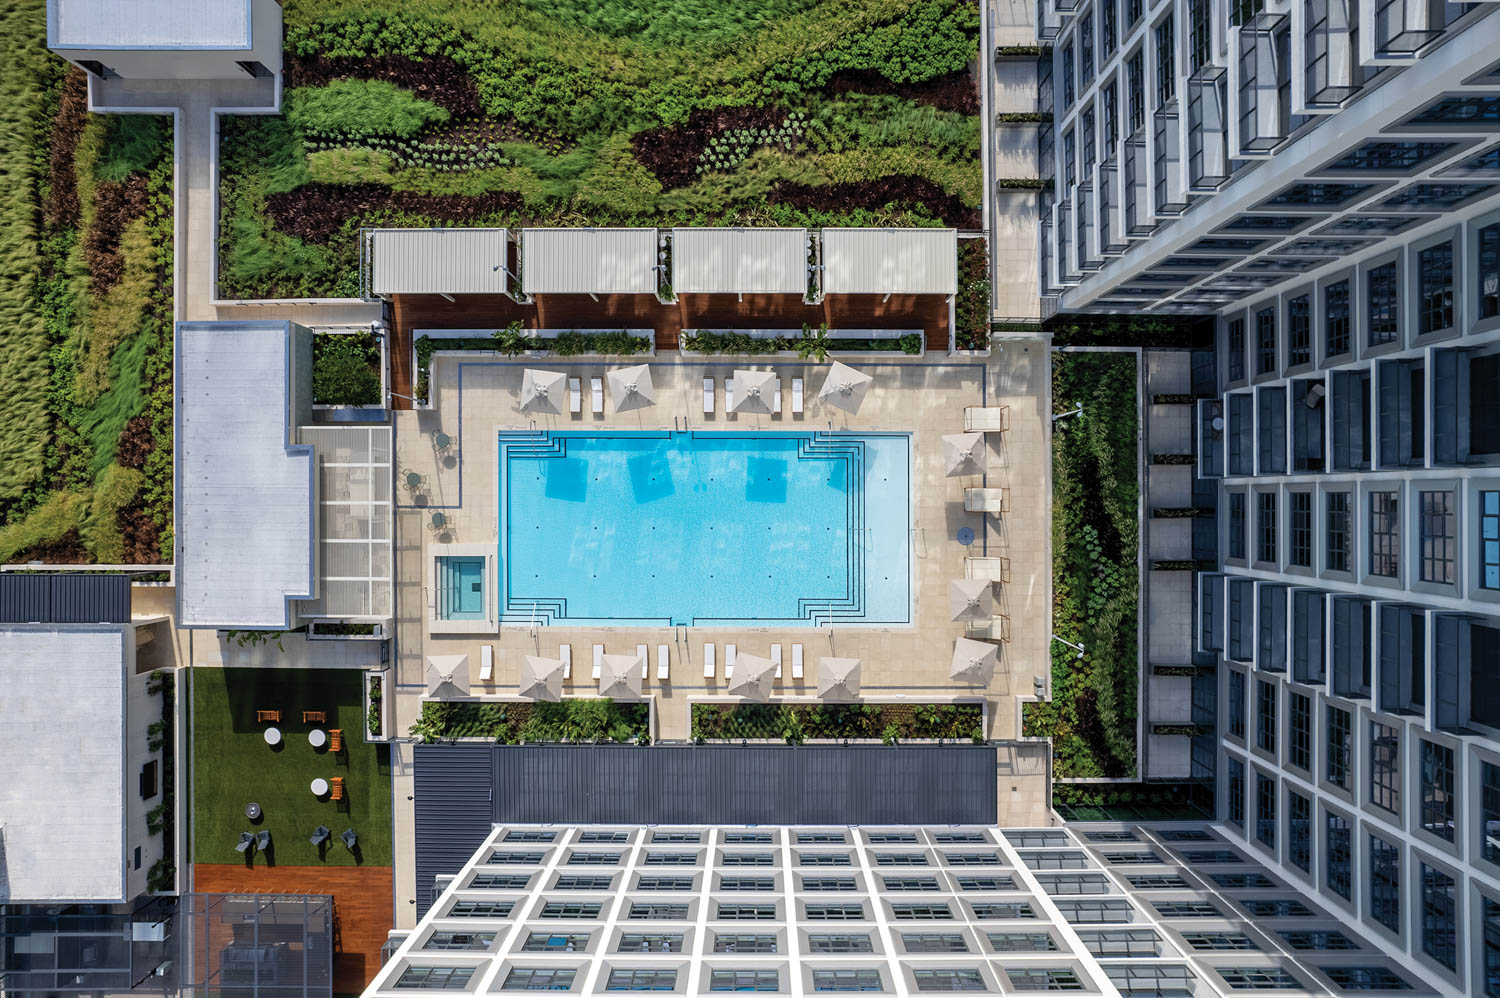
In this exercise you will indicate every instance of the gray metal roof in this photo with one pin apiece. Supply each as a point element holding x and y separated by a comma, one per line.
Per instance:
<point>65,598</point>
<point>890,261</point>
<point>439,261</point>
<point>588,261</point>
<point>157,24</point>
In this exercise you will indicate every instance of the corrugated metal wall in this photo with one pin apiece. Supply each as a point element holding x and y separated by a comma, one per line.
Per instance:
<point>64,599</point>
<point>461,790</point>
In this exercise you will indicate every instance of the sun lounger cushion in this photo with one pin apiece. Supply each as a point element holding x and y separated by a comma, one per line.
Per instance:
<point>796,661</point>
<point>662,661</point>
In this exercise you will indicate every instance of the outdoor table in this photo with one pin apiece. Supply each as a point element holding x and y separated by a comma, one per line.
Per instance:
<point>252,810</point>
<point>273,736</point>
<point>413,480</point>
<point>439,520</point>
<point>442,441</point>
<point>319,787</point>
<point>317,738</point>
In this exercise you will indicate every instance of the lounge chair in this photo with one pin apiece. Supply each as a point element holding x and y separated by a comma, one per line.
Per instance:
<point>995,569</point>
<point>320,835</point>
<point>565,652</point>
<point>987,500</point>
<point>796,661</point>
<point>596,389</point>
<point>708,396</point>
<point>335,739</point>
<point>263,840</point>
<point>986,418</point>
<point>663,662</point>
<point>262,716</point>
<point>729,656</point>
<point>598,660</point>
<point>640,653</point>
<point>796,396</point>
<point>336,788</point>
<point>246,841</point>
<point>729,395</point>
<point>710,660</point>
<point>776,657</point>
<point>350,839</point>
<point>314,717</point>
<point>575,396</point>
<point>486,663</point>
<point>997,628</point>
<point>776,398</point>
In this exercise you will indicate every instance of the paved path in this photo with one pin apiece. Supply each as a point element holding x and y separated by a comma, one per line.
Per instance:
<point>1012,149</point>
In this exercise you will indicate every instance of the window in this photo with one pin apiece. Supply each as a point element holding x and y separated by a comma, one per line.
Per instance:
<point>1437,790</point>
<point>671,859</point>
<point>1166,65</point>
<point>1299,831</point>
<point>823,859</point>
<point>1107,31</point>
<point>676,836</point>
<point>1439,537</point>
<point>1241,11</point>
<point>566,883</point>
<point>827,912</point>
<point>1145,857</point>
<point>1258,978</point>
<point>481,909</point>
<point>1265,341</point>
<point>1003,910</point>
<point>1121,942</point>
<point>1186,909</point>
<point>1380,295</point>
<point>1385,883</point>
<point>829,883</point>
<point>1219,941</point>
<point>1385,534</point>
<point>149,780</point>
<point>569,909</point>
<point>747,838</point>
<point>530,835</point>
<point>641,980</point>
<point>748,859</point>
<point>1044,979</point>
<point>1088,911</point>
<point>515,858</point>
<point>1435,288</point>
<point>1299,330</point>
<point>548,942</point>
<point>1300,552</point>
<point>1385,766</point>
<point>1055,860</point>
<point>847,980</point>
<point>761,912</point>
<point>463,940</point>
<point>594,859</point>
<point>893,836</point>
<point>1265,716</point>
<point>1337,843</point>
<point>1489,540</point>
<point>1277,908</point>
<point>1336,556</point>
<point>436,978</point>
<point>647,883</point>
<point>1086,49</point>
<point>1236,793</point>
<point>919,911</point>
<point>1200,35</point>
<point>1236,704</point>
<point>948,980</point>
<point>1184,835</point>
<point>1336,319</point>
<point>1299,752</point>
<point>1366,978</point>
<point>1489,271</point>
<point>1158,882</point>
<point>598,837</point>
<point>820,838</point>
<point>1265,810</point>
<point>1152,981</point>
<point>934,942</point>
<point>1022,942</point>
<point>1242,881</point>
<point>1074,883</point>
<point>744,980</point>
<point>971,858</point>
<point>1439,924</point>
<point>1136,96</point>
<point>1490,912</point>
<point>986,883</point>
<point>956,838</point>
<point>900,859</point>
<point>1067,75</point>
<point>1090,142</point>
<point>1212,856</point>
<point>839,942</point>
<point>1489,810</point>
<point>747,883</point>
<point>1237,525</point>
<point>539,979</point>
<point>653,912</point>
<point>1330,940</point>
<point>1265,548</point>
<point>1069,159</point>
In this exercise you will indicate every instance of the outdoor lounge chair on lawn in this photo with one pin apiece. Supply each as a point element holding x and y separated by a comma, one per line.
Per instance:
<point>246,841</point>
<point>263,840</point>
<point>565,652</point>
<point>336,788</point>
<point>708,396</point>
<point>776,657</point>
<point>598,660</point>
<point>796,661</point>
<point>350,839</point>
<point>796,396</point>
<point>640,653</point>
<point>262,716</point>
<point>995,569</point>
<point>987,500</point>
<point>320,835</point>
<point>986,418</point>
<point>710,660</point>
<point>596,389</point>
<point>335,739</point>
<point>575,396</point>
<point>314,717</point>
<point>662,662</point>
<point>729,656</point>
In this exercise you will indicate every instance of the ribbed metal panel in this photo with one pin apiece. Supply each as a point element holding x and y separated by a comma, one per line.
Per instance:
<point>739,261</point>
<point>890,261</point>
<point>438,261</point>
<point>453,787</point>
<point>588,261</point>
<point>79,598</point>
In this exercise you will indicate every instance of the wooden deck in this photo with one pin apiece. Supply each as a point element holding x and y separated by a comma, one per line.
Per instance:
<point>413,312</point>
<point>362,907</point>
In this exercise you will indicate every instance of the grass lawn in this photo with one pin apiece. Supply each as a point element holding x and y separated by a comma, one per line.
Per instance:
<point>233,765</point>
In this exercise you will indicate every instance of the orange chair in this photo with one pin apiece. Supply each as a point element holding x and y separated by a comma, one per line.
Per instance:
<point>312,716</point>
<point>335,739</point>
<point>336,788</point>
<point>262,716</point>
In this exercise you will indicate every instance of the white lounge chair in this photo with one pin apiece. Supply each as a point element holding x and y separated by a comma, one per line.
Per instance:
<point>596,386</point>
<point>486,663</point>
<point>640,653</point>
<point>997,628</point>
<point>796,661</point>
<point>729,656</point>
<point>565,652</point>
<point>729,395</point>
<point>710,660</point>
<point>987,500</point>
<point>776,398</point>
<point>663,663</point>
<point>995,569</point>
<point>986,418</point>
<point>776,657</point>
<point>575,396</point>
<point>796,396</point>
<point>708,396</point>
<point>598,660</point>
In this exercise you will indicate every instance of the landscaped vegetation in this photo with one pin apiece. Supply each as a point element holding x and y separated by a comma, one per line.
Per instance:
<point>346,369</point>
<point>233,766</point>
<point>598,112</point>
<point>795,723</point>
<point>1095,578</point>
<point>514,341</point>
<point>85,315</point>
<point>582,720</point>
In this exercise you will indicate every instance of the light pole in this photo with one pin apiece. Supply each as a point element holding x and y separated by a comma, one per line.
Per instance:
<point>400,396</point>
<point>1069,644</point>
<point>1064,415</point>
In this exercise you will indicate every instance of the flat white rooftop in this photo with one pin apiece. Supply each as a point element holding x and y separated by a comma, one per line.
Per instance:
<point>890,261</point>
<point>148,24</point>
<point>588,261</point>
<point>739,261</point>
<point>62,796</point>
<point>246,495</point>
<point>438,261</point>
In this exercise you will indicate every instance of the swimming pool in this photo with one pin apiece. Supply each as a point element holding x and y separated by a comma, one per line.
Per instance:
<point>705,528</point>
<point>460,588</point>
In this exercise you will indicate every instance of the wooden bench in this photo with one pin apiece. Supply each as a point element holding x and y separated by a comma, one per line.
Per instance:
<point>313,716</point>
<point>336,788</point>
<point>261,716</point>
<point>335,739</point>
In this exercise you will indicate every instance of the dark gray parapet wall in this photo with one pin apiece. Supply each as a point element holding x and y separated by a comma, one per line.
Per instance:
<point>462,790</point>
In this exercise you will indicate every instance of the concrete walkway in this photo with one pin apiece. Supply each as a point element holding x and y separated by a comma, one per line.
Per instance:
<point>1012,150</point>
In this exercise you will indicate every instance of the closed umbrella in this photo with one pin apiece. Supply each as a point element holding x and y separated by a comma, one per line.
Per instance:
<point>541,678</point>
<point>963,454</point>
<point>753,391</point>
<point>971,599</point>
<point>838,678</point>
<point>620,677</point>
<point>539,389</point>
<point>973,661</point>
<point>447,676</point>
<point>844,387</point>
<point>631,388</point>
<point>752,677</point>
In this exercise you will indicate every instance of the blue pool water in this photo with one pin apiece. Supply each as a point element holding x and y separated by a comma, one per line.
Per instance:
<point>667,528</point>
<point>460,588</point>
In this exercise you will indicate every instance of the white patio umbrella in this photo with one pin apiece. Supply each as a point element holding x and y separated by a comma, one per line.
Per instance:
<point>964,454</point>
<point>539,389</point>
<point>973,661</point>
<point>753,391</point>
<point>631,388</point>
<point>447,676</point>
<point>845,387</point>
<point>541,678</point>
<point>971,599</point>
<point>838,678</point>
<point>752,677</point>
<point>620,677</point>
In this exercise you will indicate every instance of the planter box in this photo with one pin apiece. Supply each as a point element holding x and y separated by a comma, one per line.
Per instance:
<point>384,675</point>
<point>382,338</point>
<point>313,634</point>
<point>834,335</point>
<point>546,334</point>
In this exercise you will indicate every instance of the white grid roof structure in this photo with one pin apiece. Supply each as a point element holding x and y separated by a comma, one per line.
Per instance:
<point>158,24</point>
<point>246,492</point>
<point>438,261</point>
<point>588,261</point>
<point>890,261</point>
<point>1172,910</point>
<point>739,261</point>
<point>62,795</point>
<point>354,521</point>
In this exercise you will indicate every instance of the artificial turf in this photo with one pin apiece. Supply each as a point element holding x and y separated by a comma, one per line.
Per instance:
<point>233,765</point>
